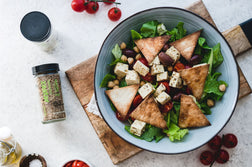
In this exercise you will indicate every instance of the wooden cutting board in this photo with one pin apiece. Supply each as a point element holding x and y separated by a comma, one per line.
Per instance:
<point>81,78</point>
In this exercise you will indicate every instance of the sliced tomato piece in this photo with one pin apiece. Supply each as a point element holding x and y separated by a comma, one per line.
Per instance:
<point>166,107</point>
<point>144,61</point>
<point>179,66</point>
<point>149,78</point>
<point>137,100</point>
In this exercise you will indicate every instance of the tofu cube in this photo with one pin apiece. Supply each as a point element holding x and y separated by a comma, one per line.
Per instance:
<point>141,68</point>
<point>121,69</point>
<point>156,69</point>
<point>176,81</point>
<point>159,90</point>
<point>162,76</point>
<point>132,78</point>
<point>146,90</point>
<point>163,98</point>
<point>155,61</point>
<point>173,53</point>
<point>137,127</point>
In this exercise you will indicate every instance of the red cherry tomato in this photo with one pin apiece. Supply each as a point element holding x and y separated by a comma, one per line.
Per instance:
<point>137,100</point>
<point>75,163</point>
<point>91,7</point>
<point>215,142</point>
<point>222,156</point>
<point>230,140</point>
<point>179,66</point>
<point>114,14</point>
<point>149,78</point>
<point>166,84</point>
<point>120,118</point>
<point>78,5</point>
<point>166,107</point>
<point>69,164</point>
<point>82,164</point>
<point>108,3</point>
<point>206,157</point>
<point>144,61</point>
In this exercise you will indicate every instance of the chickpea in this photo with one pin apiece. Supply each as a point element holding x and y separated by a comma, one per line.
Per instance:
<point>136,49</point>
<point>142,83</point>
<point>222,87</point>
<point>130,60</point>
<point>116,82</point>
<point>169,68</point>
<point>116,87</point>
<point>111,84</point>
<point>124,58</point>
<point>210,102</point>
<point>138,56</point>
<point>119,78</point>
<point>123,45</point>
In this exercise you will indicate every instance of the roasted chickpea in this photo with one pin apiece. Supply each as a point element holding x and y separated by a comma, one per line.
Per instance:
<point>130,60</point>
<point>210,102</point>
<point>136,49</point>
<point>116,82</point>
<point>138,56</point>
<point>124,58</point>
<point>123,45</point>
<point>222,87</point>
<point>111,84</point>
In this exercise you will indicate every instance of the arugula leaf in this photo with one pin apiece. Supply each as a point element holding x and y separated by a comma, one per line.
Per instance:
<point>117,61</point>
<point>205,109</point>
<point>122,83</point>
<point>106,79</point>
<point>135,35</point>
<point>149,29</point>
<point>177,33</point>
<point>175,133</point>
<point>117,52</point>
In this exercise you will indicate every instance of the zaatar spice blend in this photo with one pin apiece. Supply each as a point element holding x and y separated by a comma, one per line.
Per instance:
<point>49,84</point>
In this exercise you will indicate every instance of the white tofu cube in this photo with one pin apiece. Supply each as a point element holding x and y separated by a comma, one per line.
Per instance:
<point>162,76</point>
<point>141,68</point>
<point>121,69</point>
<point>146,90</point>
<point>132,78</point>
<point>173,53</point>
<point>163,98</point>
<point>156,69</point>
<point>137,127</point>
<point>155,61</point>
<point>159,90</point>
<point>176,81</point>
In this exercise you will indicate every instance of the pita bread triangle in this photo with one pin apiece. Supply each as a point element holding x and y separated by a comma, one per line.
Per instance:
<point>195,78</point>
<point>187,44</point>
<point>122,98</point>
<point>148,112</point>
<point>190,115</point>
<point>150,47</point>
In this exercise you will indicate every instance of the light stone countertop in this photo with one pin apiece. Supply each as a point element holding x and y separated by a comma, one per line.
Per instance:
<point>81,36</point>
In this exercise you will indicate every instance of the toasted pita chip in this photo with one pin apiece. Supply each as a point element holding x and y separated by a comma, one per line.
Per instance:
<point>122,98</point>
<point>150,47</point>
<point>195,79</point>
<point>190,115</point>
<point>149,112</point>
<point>187,44</point>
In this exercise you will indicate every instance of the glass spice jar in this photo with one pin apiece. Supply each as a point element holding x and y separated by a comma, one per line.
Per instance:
<point>36,27</point>
<point>49,85</point>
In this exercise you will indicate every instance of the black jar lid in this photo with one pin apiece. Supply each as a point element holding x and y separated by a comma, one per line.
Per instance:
<point>45,69</point>
<point>35,26</point>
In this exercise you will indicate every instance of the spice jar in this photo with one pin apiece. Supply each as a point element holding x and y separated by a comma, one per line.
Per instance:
<point>10,150</point>
<point>49,85</point>
<point>36,27</point>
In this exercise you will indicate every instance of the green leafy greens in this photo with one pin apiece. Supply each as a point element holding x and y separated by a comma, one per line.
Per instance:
<point>177,33</point>
<point>106,79</point>
<point>149,29</point>
<point>117,52</point>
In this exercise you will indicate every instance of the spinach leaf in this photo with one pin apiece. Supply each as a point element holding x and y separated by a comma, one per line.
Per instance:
<point>106,79</point>
<point>217,56</point>
<point>205,109</point>
<point>122,83</point>
<point>149,29</point>
<point>177,33</point>
<point>117,52</point>
<point>117,61</point>
<point>127,128</point>
<point>135,35</point>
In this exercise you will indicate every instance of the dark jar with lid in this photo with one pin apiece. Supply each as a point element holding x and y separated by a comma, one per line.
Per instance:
<point>49,85</point>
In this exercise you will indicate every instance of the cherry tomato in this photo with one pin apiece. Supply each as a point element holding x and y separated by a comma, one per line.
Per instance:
<point>120,118</point>
<point>109,1</point>
<point>206,157</point>
<point>91,7</point>
<point>148,77</point>
<point>230,140</point>
<point>144,61</point>
<point>78,5</point>
<point>82,164</point>
<point>222,156</point>
<point>69,164</point>
<point>179,66</point>
<point>137,100</point>
<point>166,107</point>
<point>215,142</point>
<point>114,14</point>
<point>75,163</point>
<point>166,84</point>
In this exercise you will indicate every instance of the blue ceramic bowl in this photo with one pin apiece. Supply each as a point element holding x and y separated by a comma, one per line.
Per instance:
<point>223,109</point>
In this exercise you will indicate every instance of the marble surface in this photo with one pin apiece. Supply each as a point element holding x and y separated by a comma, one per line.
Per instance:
<point>81,35</point>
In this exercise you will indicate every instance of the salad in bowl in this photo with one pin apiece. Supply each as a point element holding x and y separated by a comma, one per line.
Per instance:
<point>163,82</point>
